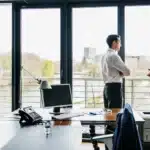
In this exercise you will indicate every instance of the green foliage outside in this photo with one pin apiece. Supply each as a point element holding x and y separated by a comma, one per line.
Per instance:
<point>48,69</point>
<point>5,61</point>
<point>90,68</point>
<point>94,70</point>
<point>37,66</point>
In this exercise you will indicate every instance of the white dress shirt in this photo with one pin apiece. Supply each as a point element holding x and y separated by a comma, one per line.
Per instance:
<point>111,65</point>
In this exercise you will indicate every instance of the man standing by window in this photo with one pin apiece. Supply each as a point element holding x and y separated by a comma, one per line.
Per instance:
<point>113,70</point>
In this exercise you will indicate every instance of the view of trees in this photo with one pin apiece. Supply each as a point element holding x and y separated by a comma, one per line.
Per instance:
<point>48,69</point>
<point>5,61</point>
<point>32,63</point>
<point>90,68</point>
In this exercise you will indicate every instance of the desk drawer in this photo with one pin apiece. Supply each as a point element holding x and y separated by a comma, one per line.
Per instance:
<point>147,124</point>
<point>146,135</point>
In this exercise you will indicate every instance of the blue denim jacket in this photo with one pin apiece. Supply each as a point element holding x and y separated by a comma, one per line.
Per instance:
<point>126,135</point>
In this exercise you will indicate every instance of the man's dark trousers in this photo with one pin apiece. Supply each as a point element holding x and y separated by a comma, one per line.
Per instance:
<point>113,98</point>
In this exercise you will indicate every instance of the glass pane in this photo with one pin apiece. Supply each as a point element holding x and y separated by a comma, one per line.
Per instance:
<point>5,57</point>
<point>90,30</point>
<point>137,31</point>
<point>40,51</point>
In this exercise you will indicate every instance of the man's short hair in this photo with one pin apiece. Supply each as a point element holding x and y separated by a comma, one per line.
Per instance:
<point>111,38</point>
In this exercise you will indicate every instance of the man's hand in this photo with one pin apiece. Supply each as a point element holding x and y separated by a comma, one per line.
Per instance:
<point>121,74</point>
<point>148,74</point>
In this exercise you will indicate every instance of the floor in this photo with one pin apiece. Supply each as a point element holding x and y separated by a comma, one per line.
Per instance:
<point>89,146</point>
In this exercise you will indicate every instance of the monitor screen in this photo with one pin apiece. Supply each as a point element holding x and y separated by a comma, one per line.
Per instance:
<point>58,95</point>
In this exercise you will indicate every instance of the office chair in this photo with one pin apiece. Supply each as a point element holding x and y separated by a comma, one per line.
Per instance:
<point>106,139</point>
<point>126,135</point>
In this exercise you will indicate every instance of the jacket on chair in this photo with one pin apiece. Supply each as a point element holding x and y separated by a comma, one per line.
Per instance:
<point>126,135</point>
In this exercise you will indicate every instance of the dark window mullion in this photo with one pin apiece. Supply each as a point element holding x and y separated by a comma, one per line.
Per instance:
<point>16,57</point>
<point>121,32</point>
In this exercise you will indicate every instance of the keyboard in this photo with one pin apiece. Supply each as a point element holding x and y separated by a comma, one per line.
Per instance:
<point>68,115</point>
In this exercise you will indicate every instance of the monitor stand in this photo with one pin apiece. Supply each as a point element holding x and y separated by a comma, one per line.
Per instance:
<point>146,113</point>
<point>56,111</point>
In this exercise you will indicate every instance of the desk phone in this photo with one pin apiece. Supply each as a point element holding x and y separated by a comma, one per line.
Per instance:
<point>29,116</point>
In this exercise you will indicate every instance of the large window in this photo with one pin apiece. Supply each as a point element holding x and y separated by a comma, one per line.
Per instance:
<point>5,57</point>
<point>40,45</point>
<point>91,26</point>
<point>137,48</point>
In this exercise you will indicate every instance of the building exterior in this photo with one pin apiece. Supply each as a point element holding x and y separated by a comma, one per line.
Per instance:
<point>89,53</point>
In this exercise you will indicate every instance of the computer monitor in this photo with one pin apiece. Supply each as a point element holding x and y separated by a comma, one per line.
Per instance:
<point>59,95</point>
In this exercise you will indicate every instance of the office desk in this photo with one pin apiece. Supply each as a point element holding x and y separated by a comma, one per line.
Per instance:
<point>66,135</point>
<point>64,132</point>
<point>101,119</point>
<point>107,118</point>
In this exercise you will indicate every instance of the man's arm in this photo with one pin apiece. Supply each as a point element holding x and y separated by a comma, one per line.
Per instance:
<point>119,65</point>
<point>148,73</point>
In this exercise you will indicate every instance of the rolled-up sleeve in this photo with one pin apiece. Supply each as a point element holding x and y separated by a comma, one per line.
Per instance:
<point>120,65</point>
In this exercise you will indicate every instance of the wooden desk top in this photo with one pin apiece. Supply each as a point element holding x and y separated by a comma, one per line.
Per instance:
<point>104,116</point>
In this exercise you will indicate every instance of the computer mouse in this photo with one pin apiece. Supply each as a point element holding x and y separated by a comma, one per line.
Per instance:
<point>92,113</point>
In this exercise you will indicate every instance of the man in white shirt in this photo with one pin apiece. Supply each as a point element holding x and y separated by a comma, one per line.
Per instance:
<point>113,70</point>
